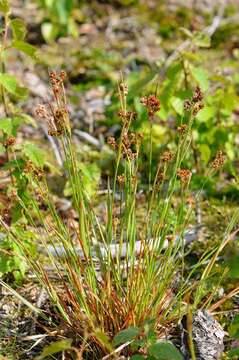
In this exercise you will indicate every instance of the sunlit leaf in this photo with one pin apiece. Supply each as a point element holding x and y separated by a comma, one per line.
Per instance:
<point>2,149</point>
<point>206,113</point>
<point>18,29</point>
<point>205,152</point>
<point>55,348</point>
<point>24,47</point>
<point>10,83</point>
<point>164,350</point>
<point>202,40</point>
<point>34,153</point>
<point>126,335</point>
<point>49,31</point>
<point>200,75</point>
<point>6,125</point>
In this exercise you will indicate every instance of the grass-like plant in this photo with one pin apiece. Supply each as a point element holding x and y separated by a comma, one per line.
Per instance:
<point>126,268</point>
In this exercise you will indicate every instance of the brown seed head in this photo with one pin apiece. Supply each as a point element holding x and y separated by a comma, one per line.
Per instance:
<point>127,115</point>
<point>166,156</point>
<point>182,129</point>
<point>152,104</point>
<point>170,238</point>
<point>62,75</point>
<point>115,223</point>
<point>124,88</point>
<point>112,142</point>
<point>191,201</point>
<point>187,105</point>
<point>184,175</point>
<point>10,141</point>
<point>42,112</point>
<point>160,177</point>
<point>121,180</point>
<point>197,107</point>
<point>198,95</point>
<point>218,161</point>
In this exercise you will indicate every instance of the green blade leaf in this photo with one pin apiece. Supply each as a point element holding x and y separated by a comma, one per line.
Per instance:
<point>2,149</point>
<point>126,335</point>
<point>54,348</point>
<point>164,350</point>
<point>18,29</point>
<point>234,328</point>
<point>24,47</point>
<point>10,83</point>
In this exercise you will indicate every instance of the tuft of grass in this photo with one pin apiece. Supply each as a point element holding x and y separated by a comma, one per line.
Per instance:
<point>118,271</point>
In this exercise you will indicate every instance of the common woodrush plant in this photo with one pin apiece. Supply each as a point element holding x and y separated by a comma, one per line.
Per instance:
<point>124,268</point>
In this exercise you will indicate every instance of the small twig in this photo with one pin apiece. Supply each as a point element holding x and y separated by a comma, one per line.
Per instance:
<point>120,348</point>
<point>209,30</point>
<point>225,298</point>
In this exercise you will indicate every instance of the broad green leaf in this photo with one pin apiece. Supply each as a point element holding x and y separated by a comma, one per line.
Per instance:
<point>202,40</point>
<point>234,328</point>
<point>24,47</point>
<point>55,348</point>
<point>205,152</point>
<point>103,339</point>
<point>206,113</point>
<point>10,125</point>
<point>4,7</point>
<point>18,29</point>
<point>201,76</point>
<point>34,153</point>
<point>177,104</point>
<point>49,31</point>
<point>164,350</point>
<point>141,83</point>
<point>137,357</point>
<point>10,83</point>
<point>6,125</point>
<point>126,335</point>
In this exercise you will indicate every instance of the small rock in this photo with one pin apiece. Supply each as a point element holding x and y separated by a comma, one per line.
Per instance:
<point>208,336</point>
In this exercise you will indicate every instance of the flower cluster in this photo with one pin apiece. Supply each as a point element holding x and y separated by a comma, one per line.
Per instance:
<point>123,87</point>
<point>112,142</point>
<point>121,180</point>
<point>57,117</point>
<point>152,104</point>
<point>127,116</point>
<point>33,170</point>
<point>184,175</point>
<point>57,81</point>
<point>182,129</point>
<point>218,161</point>
<point>131,141</point>
<point>195,104</point>
<point>10,141</point>
<point>166,156</point>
